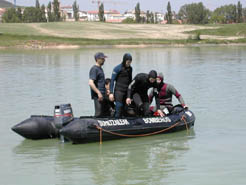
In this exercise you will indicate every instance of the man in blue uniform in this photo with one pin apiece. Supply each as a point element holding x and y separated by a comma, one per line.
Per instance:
<point>122,75</point>
<point>97,86</point>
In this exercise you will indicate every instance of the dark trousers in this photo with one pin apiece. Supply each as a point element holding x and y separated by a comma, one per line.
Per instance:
<point>102,108</point>
<point>142,104</point>
<point>120,101</point>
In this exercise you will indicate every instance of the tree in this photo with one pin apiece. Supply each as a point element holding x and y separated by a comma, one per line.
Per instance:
<point>148,17</point>
<point>56,9</point>
<point>30,15</point>
<point>244,14</point>
<point>10,16</point>
<point>234,13</point>
<point>152,18</point>
<point>137,13</point>
<point>169,13</point>
<point>37,4</point>
<point>101,13</point>
<point>43,15</point>
<point>50,13</point>
<point>76,11</point>
<point>239,12</point>
<point>156,18</point>
<point>194,13</point>
<point>19,14</point>
<point>38,12</point>
<point>183,15</point>
<point>225,14</point>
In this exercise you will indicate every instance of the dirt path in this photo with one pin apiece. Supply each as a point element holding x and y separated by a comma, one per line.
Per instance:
<point>45,31</point>
<point>126,31</point>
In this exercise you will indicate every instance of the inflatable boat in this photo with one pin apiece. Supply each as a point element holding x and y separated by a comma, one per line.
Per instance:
<point>91,129</point>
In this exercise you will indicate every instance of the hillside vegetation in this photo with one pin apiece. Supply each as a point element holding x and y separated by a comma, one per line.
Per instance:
<point>96,33</point>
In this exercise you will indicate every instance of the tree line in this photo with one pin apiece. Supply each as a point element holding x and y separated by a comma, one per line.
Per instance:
<point>194,13</point>
<point>197,13</point>
<point>38,13</point>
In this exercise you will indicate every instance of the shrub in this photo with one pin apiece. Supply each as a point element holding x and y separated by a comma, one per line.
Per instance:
<point>129,20</point>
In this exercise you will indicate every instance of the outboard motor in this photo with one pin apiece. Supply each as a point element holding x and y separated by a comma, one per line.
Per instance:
<point>63,114</point>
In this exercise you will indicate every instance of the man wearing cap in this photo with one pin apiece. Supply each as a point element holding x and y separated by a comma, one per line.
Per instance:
<point>97,86</point>
<point>122,75</point>
<point>166,91</point>
<point>138,90</point>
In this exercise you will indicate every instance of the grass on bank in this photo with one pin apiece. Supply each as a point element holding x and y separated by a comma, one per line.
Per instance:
<point>8,40</point>
<point>227,30</point>
<point>19,35</point>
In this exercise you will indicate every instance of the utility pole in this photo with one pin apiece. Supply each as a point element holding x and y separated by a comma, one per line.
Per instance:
<point>15,3</point>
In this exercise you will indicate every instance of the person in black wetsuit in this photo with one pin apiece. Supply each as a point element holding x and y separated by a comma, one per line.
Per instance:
<point>97,86</point>
<point>138,90</point>
<point>122,75</point>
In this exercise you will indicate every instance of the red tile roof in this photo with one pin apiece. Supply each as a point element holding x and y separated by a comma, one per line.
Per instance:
<point>66,7</point>
<point>93,12</point>
<point>105,12</point>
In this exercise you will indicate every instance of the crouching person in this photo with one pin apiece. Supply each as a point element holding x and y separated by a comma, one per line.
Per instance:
<point>165,93</point>
<point>138,90</point>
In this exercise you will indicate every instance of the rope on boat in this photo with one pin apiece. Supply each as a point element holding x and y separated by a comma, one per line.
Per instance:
<point>141,135</point>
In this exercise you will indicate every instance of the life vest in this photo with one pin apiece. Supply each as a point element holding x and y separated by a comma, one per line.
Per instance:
<point>165,96</point>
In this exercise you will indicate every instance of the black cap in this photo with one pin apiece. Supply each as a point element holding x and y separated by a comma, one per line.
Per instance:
<point>99,55</point>
<point>152,74</point>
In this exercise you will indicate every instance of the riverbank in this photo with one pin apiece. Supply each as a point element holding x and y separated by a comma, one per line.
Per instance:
<point>64,35</point>
<point>40,42</point>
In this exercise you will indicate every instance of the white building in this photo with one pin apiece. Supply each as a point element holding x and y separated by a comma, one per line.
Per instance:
<point>130,14</point>
<point>83,16</point>
<point>113,16</point>
<point>67,12</point>
<point>92,15</point>
<point>160,17</point>
<point>2,10</point>
<point>110,16</point>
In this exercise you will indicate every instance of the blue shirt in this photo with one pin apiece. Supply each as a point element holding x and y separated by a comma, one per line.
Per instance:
<point>97,75</point>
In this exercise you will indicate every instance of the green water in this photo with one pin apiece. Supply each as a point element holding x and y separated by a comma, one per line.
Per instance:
<point>211,80</point>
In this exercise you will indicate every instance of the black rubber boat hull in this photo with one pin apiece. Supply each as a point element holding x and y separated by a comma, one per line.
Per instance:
<point>37,127</point>
<point>86,129</point>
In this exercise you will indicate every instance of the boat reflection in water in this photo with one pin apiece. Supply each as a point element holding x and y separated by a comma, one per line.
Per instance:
<point>145,160</point>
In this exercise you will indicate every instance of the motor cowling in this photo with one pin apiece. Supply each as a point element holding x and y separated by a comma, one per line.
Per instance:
<point>63,114</point>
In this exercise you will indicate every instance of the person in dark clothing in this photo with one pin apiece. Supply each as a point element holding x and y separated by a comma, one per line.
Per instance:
<point>97,86</point>
<point>166,91</point>
<point>110,103</point>
<point>107,86</point>
<point>122,75</point>
<point>138,90</point>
